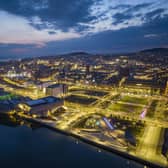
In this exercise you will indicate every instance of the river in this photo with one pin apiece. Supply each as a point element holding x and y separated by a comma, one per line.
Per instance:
<point>32,146</point>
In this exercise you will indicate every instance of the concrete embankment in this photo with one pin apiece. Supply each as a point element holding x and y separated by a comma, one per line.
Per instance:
<point>106,148</point>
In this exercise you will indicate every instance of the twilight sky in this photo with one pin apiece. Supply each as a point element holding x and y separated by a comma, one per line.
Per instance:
<point>50,27</point>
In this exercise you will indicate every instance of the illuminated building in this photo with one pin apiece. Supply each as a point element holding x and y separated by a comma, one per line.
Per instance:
<point>6,108</point>
<point>41,107</point>
<point>57,90</point>
<point>166,89</point>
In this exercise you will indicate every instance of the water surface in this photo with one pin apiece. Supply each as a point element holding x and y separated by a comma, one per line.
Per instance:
<point>30,146</point>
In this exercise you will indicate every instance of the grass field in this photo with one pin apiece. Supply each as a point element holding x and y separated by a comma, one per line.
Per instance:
<point>135,100</point>
<point>8,97</point>
<point>125,108</point>
<point>152,108</point>
<point>89,92</point>
<point>80,99</point>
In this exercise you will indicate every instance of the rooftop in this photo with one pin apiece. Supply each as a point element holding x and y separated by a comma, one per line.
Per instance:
<point>45,100</point>
<point>55,85</point>
<point>6,107</point>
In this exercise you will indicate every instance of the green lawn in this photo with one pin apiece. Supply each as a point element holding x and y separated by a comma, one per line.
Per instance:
<point>80,99</point>
<point>125,108</point>
<point>88,92</point>
<point>152,108</point>
<point>8,97</point>
<point>135,100</point>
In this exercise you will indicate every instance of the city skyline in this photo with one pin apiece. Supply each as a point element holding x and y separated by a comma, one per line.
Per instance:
<point>117,103</point>
<point>48,27</point>
<point>84,83</point>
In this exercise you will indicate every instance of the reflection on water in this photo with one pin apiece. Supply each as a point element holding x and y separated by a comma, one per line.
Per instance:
<point>14,121</point>
<point>25,145</point>
<point>9,121</point>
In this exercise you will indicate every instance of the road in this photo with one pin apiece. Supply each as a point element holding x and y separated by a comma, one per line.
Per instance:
<point>148,147</point>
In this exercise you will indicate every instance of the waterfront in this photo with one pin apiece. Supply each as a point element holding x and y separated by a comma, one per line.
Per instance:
<point>31,146</point>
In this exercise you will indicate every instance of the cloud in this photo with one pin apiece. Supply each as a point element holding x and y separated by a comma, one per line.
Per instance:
<point>156,13</point>
<point>16,29</point>
<point>19,50</point>
<point>154,36</point>
<point>88,16</point>
<point>121,17</point>
<point>34,5</point>
<point>151,35</point>
<point>43,21</point>
<point>116,15</point>
<point>62,13</point>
